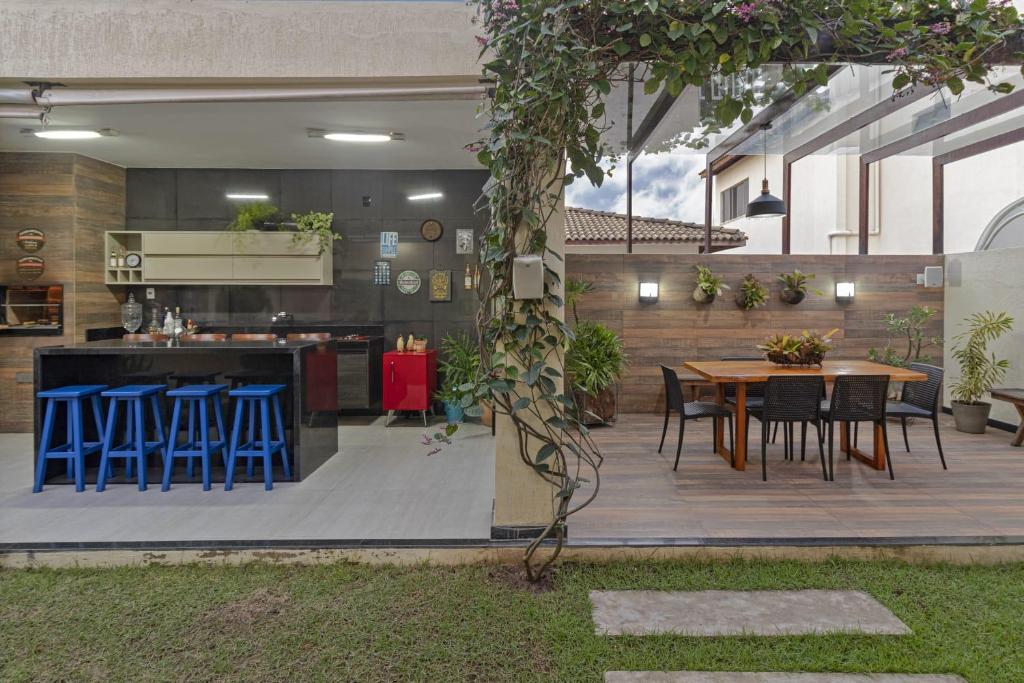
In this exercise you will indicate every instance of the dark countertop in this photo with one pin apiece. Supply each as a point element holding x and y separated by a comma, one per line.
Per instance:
<point>119,346</point>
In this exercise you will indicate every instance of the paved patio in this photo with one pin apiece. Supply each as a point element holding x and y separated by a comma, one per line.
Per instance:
<point>641,497</point>
<point>380,486</point>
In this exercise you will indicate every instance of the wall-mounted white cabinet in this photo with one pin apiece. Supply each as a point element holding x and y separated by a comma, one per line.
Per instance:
<point>183,257</point>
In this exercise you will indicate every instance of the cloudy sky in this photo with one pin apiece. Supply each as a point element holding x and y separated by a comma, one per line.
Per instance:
<point>664,186</point>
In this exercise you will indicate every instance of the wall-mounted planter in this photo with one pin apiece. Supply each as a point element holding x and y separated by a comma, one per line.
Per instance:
<point>702,297</point>
<point>791,296</point>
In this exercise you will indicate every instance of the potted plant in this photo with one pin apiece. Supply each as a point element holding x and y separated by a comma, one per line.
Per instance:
<point>252,216</point>
<point>460,360</point>
<point>575,288</point>
<point>795,286</point>
<point>315,225</point>
<point>809,348</point>
<point>979,370</point>
<point>709,286</point>
<point>911,329</point>
<point>594,363</point>
<point>752,293</point>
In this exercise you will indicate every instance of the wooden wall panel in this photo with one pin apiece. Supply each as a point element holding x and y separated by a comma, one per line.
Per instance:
<point>72,199</point>
<point>677,329</point>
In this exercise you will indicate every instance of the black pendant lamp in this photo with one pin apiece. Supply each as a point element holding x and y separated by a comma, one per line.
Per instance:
<point>766,205</point>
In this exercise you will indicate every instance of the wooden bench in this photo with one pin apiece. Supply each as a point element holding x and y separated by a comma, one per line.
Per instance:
<point>1016,397</point>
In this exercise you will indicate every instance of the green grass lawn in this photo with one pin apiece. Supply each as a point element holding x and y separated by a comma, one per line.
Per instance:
<point>371,623</point>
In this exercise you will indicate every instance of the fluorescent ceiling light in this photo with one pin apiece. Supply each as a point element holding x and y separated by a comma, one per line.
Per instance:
<point>57,134</point>
<point>428,195</point>
<point>249,196</point>
<point>358,137</point>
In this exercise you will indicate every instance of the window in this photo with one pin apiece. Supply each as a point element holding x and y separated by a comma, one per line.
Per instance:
<point>734,201</point>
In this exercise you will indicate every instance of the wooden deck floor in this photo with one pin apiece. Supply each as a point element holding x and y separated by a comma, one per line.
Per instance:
<point>981,495</point>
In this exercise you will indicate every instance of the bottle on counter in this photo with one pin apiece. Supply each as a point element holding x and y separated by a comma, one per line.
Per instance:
<point>476,277</point>
<point>113,259</point>
<point>469,278</point>
<point>121,258</point>
<point>168,322</point>
<point>179,325</point>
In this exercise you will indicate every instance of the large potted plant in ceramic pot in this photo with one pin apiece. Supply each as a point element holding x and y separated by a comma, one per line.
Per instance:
<point>979,369</point>
<point>708,287</point>
<point>460,360</point>
<point>594,363</point>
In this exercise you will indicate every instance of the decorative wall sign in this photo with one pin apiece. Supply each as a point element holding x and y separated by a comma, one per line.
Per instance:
<point>30,267</point>
<point>463,241</point>
<point>31,240</point>
<point>382,273</point>
<point>440,285</point>
<point>389,245</point>
<point>408,282</point>
<point>431,230</point>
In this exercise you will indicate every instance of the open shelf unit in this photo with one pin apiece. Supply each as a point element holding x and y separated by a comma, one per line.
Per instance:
<point>122,243</point>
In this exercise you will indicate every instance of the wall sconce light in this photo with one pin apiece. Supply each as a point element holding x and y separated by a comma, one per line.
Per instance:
<point>648,292</point>
<point>844,292</point>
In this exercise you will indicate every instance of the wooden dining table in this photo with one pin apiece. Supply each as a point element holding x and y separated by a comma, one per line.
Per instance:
<point>744,372</point>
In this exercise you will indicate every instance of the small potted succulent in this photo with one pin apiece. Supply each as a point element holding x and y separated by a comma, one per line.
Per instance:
<point>708,287</point>
<point>752,293</point>
<point>808,348</point>
<point>979,370</point>
<point>795,286</point>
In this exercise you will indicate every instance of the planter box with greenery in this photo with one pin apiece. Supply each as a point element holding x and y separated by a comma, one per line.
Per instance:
<point>752,293</point>
<point>795,286</point>
<point>459,362</point>
<point>708,287</point>
<point>808,348</point>
<point>979,370</point>
<point>594,363</point>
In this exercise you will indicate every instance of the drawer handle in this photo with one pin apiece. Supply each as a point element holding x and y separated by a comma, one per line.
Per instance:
<point>392,372</point>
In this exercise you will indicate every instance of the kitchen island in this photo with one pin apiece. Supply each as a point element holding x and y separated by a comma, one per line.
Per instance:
<point>307,368</point>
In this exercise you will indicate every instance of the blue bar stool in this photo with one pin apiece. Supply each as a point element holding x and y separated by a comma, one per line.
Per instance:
<point>74,451</point>
<point>257,396</point>
<point>196,445</point>
<point>135,447</point>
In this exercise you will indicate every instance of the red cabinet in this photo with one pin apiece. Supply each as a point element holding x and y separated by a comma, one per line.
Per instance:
<point>410,380</point>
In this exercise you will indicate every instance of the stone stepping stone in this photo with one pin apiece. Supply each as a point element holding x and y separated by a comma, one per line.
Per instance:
<point>736,613</point>
<point>731,677</point>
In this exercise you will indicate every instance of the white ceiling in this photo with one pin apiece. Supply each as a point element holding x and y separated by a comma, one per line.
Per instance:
<point>263,134</point>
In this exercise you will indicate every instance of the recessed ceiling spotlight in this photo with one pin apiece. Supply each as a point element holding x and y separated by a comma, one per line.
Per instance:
<point>248,196</point>
<point>70,133</point>
<point>353,135</point>
<point>427,195</point>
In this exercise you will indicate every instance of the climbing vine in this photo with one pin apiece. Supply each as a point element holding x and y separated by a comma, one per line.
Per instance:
<point>553,64</point>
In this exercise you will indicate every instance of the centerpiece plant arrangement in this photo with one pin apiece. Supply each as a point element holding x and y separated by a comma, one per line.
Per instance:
<point>752,293</point>
<point>979,369</point>
<point>807,348</point>
<point>709,285</point>
<point>553,64</point>
<point>795,286</point>
<point>315,225</point>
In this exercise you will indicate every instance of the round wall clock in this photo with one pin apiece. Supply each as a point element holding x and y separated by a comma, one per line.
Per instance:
<point>431,230</point>
<point>408,282</point>
<point>133,260</point>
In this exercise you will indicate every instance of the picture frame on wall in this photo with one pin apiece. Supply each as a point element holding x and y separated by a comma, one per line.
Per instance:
<point>463,241</point>
<point>440,286</point>
<point>389,245</point>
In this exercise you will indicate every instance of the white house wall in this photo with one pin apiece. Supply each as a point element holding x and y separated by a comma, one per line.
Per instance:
<point>977,189</point>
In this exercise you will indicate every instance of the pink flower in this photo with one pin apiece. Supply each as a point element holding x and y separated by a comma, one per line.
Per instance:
<point>482,41</point>
<point>745,11</point>
<point>898,53</point>
<point>941,28</point>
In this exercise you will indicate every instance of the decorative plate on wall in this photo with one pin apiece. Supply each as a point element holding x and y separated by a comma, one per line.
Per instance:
<point>440,285</point>
<point>30,267</point>
<point>408,282</point>
<point>31,240</point>
<point>431,230</point>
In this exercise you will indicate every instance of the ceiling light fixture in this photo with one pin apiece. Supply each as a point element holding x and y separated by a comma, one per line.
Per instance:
<point>766,205</point>
<point>248,196</point>
<point>353,135</point>
<point>426,195</point>
<point>70,133</point>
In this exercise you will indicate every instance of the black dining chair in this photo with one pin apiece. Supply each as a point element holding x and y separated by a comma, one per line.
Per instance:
<point>790,400</point>
<point>856,399</point>
<point>755,393</point>
<point>920,399</point>
<point>691,410</point>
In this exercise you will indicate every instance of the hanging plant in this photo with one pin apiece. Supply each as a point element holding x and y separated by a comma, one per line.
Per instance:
<point>795,286</point>
<point>708,287</point>
<point>553,64</point>
<point>752,293</point>
<point>252,216</point>
<point>315,225</point>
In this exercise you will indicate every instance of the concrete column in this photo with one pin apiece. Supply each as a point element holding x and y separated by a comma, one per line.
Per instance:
<point>524,502</point>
